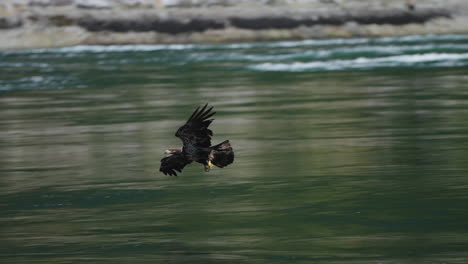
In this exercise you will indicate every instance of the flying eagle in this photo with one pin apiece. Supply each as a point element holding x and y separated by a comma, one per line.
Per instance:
<point>196,139</point>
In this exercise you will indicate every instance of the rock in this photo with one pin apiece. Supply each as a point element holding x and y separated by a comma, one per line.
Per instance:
<point>61,20</point>
<point>35,37</point>
<point>50,2</point>
<point>52,23</point>
<point>10,22</point>
<point>398,16</point>
<point>138,3</point>
<point>170,26</point>
<point>205,3</point>
<point>94,4</point>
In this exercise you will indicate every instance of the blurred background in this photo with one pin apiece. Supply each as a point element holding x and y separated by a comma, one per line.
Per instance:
<point>59,23</point>
<point>348,120</point>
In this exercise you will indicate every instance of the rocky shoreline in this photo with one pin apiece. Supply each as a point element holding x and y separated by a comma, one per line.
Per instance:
<point>27,24</point>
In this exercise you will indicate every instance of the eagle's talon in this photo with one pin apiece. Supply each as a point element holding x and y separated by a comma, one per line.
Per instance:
<point>209,166</point>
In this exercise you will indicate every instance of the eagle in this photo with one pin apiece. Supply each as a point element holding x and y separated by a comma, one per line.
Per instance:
<point>196,139</point>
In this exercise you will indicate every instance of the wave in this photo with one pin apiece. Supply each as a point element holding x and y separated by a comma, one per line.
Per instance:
<point>109,48</point>
<point>428,60</point>
<point>236,46</point>
<point>38,82</point>
<point>346,51</point>
<point>206,56</point>
<point>73,66</point>
<point>323,53</point>
<point>356,41</point>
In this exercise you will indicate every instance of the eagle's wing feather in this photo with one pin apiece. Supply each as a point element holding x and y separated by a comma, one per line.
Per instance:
<point>195,131</point>
<point>173,163</point>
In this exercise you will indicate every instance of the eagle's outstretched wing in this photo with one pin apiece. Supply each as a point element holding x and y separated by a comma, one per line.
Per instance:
<point>173,163</point>
<point>195,131</point>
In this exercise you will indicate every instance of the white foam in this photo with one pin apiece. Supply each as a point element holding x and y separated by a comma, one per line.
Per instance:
<point>437,59</point>
<point>276,44</point>
<point>346,41</point>
<point>321,53</point>
<point>38,82</point>
<point>421,38</point>
<point>324,53</point>
<point>24,64</point>
<point>113,48</point>
<point>299,43</point>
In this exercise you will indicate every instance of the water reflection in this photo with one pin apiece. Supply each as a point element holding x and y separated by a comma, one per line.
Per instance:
<point>344,167</point>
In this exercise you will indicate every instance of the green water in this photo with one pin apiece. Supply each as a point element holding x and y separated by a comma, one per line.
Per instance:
<point>341,165</point>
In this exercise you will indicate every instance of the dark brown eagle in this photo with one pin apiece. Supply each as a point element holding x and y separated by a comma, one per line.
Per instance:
<point>196,139</point>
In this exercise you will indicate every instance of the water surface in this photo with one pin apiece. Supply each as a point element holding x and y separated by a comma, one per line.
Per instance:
<point>347,151</point>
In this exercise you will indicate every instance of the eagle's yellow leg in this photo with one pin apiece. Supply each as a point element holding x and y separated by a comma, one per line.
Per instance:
<point>209,166</point>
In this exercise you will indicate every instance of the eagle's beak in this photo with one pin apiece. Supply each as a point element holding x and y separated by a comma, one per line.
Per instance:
<point>209,166</point>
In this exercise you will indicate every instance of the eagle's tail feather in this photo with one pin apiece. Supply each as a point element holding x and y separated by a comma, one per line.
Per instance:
<point>222,154</point>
